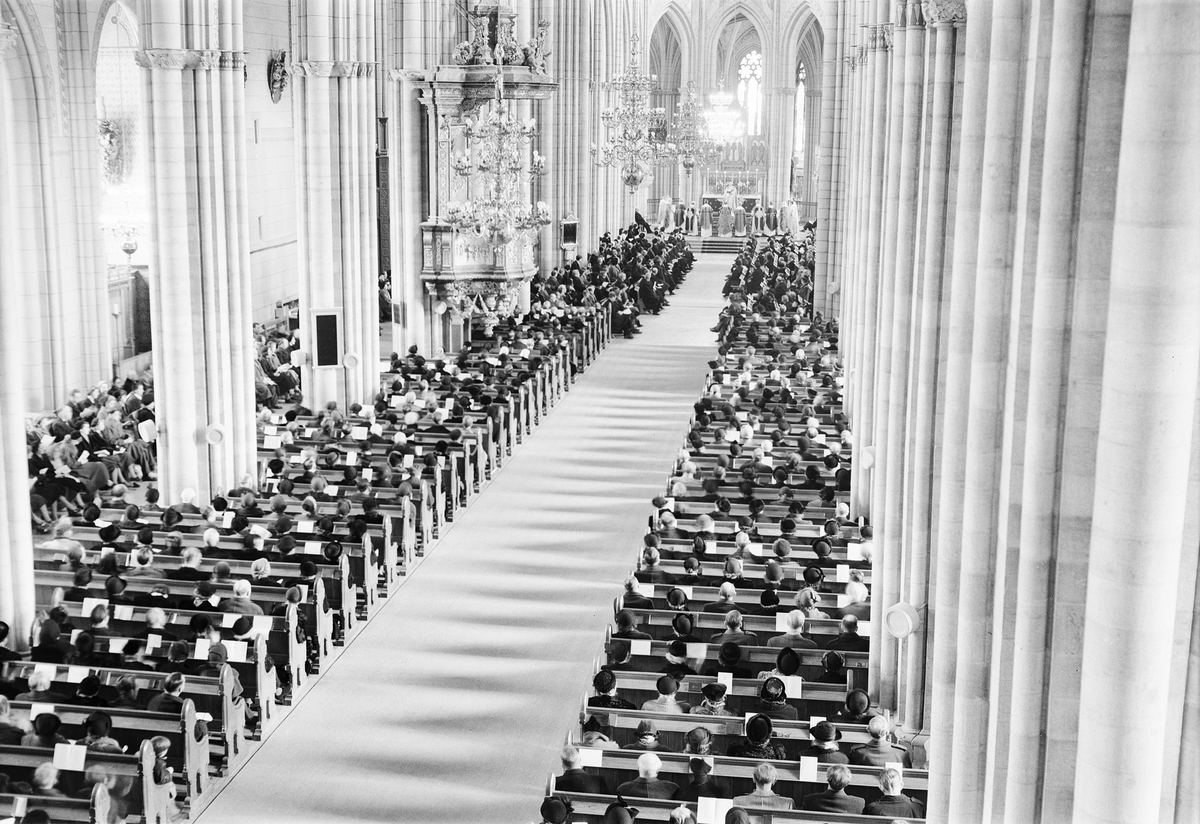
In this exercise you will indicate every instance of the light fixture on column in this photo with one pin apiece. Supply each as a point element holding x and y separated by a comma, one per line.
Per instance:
<point>494,161</point>
<point>688,141</point>
<point>637,131</point>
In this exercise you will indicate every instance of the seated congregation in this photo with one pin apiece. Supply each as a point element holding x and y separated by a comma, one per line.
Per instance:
<point>735,672</point>
<point>171,636</point>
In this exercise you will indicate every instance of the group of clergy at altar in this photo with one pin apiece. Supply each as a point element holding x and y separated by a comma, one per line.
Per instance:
<point>731,219</point>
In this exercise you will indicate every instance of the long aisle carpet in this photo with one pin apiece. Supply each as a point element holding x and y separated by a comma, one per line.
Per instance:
<point>452,705</point>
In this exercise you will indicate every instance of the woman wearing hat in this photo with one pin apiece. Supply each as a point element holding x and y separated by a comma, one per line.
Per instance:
<point>555,810</point>
<point>714,701</point>
<point>757,743</point>
<point>605,684</point>
<point>824,747</point>
<point>773,698</point>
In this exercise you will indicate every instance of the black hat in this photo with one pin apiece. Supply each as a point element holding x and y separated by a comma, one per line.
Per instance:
<point>773,690</point>
<point>833,661</point>
<point>769,598</point>
<point>593,724</point>
<point>759,728</point>
<point>110,533</point>
<point>714,691</point>
<point>620,812</point>
<point>787,662</point>
<point>555,810</point>
<point>824,731</point>
<point>676,597</point>
<point>242,627</point>
<point>677,649</point>
<point>682,623</point>
<point>730,653</point>
<point>666,685</point>
<point>604,681</point>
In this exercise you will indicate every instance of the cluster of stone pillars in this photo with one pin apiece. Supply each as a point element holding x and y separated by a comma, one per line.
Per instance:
<point>1010,211</point>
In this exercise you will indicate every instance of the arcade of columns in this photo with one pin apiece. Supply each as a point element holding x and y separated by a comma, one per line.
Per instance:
<point>1009,224</point>
<point>1007,213</point>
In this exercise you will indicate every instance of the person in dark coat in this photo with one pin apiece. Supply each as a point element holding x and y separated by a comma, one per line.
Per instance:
<point>574,778</point>
<point>834,799</point>
<point>893,803</point>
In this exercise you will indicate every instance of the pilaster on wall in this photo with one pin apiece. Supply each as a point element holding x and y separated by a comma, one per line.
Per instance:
<point>990,280</point>
<point>199,280</point>
<point>16,536</point>
<point>338,238</point>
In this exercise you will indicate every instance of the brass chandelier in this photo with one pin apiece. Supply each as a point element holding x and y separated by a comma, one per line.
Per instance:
<point>689,142</point>
<point>495,163</point>
<point>637,131</point>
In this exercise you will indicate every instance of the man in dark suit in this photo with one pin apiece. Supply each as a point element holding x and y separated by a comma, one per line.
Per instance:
<point>647,784</point>
<point>574,778</point>
<point>735,632</point>
<point>725,599</point>
<point>878,752</point>
<point>651,572</point>
<point>189,567</point>
<point>794,637</point>
<point>633,598</point>
<point>834,799</point>
<point>893,803</point>
<point>850,640</point>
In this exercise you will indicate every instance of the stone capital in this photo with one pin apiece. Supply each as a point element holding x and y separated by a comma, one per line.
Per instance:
<point>910,13</point>
<point>204,59</point>
<point>8,40</point>
<point>944,11</point>
<point>334,68</point>
<point>879,37</point>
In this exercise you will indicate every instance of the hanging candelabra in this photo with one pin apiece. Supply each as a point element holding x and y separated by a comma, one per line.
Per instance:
<point>637,131</point>
<point>494,165</point>
<point>689,142</point>
<point>724,118</point>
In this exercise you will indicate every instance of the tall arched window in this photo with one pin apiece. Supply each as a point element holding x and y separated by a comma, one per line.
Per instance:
<point>750,75</point>
<point>798,132</point>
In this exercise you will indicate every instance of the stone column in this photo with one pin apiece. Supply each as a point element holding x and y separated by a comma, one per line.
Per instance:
<point>927,366</point>
<point>978,543</point>
<point>893,304</point>
<point>910,31</point>
<point>16,538</point>
<point>879,37</point>
<point>200,268</point>
<point>833,131</point>
<point>1151,365</point>
<point>81,325</point>
<point>334,113</point>
<point>943,615</point>
<point>1047,387</point>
